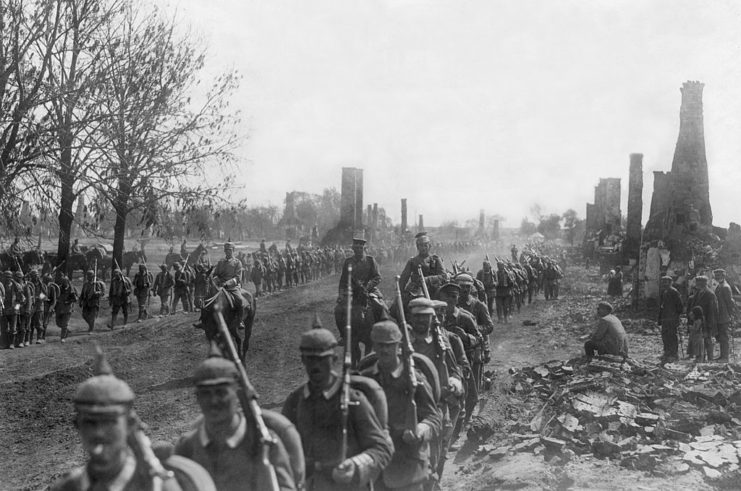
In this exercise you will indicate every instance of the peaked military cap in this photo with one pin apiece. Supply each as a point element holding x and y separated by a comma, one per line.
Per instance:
<point>422,237</point>
<point>464,279</point>
<point>422,305</point>
<point>90,272</point>
<point>214,371</point>
<point>103,393</point>
<point>357,241</point>
<point>385,332</point>
<point>228,245</point>
<point>317,342</point>
<point>719,271</point>
<point>439,304</point>
<point>176,265</point>
<point>667,278</point>
<point>701,277</point>
<point>451,286</point>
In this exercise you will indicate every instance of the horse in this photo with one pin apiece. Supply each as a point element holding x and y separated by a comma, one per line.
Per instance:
<point>29,259</point>
<point>219,300</point>
<point>366,310</point>
<point>200,283</point>
<point>133,257</point>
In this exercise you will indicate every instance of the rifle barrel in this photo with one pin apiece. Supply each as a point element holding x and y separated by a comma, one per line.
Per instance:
<point>346,367</point>
<point>251,398</point>
<point>410,418</point>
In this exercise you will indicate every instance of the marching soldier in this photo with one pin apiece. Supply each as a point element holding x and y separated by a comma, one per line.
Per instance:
<point>40,295</point>
<point>315,410</point>
<point>119,454</point>
<point>223,441</point>
<point>12,301</point>
<point>183,249</point>
<point>92,292</point>
<point>118,296</point>
<point>486,276</point>
<point>163,284</point>
<point>26,311</point>
<point>16,251</point>
<point>505,285</point>
<point>67,299</point>
<point>478,311</point>
<point>142,291</point>
<point>181,289</point>
<point>432,269</point>
<point>460,322</point>
<point>76,249</point>
<point>50,304</point>
<point>410,466</point>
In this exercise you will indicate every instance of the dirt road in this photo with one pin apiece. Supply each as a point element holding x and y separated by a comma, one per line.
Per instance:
<point>157,357</point>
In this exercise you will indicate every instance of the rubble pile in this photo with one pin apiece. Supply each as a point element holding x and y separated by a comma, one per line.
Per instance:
<point>666,420</point>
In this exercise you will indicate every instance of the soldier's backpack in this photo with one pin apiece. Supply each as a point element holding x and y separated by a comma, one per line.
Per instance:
<point>421,363</point>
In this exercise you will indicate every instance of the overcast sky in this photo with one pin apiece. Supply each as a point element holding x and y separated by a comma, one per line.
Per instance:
<point>461,105</point>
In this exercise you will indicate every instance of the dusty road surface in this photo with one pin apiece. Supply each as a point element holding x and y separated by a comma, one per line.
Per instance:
<point>156,358</point>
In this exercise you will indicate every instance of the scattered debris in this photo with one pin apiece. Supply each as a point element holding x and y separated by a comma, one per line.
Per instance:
<point>664,420</point>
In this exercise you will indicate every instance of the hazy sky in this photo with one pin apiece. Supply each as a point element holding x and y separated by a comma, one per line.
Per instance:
<point>460,105</point>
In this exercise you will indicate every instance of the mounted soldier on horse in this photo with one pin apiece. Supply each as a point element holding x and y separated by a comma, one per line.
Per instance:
<point>225,295</point>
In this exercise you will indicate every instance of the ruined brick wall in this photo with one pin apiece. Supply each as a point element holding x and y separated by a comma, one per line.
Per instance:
<point>404,223</point>
<point>690,186</point>
<point>632,242</point>
<point>351,198</point>
<point>604,214</point>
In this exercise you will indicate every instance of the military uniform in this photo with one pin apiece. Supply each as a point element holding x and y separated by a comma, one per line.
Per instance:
<point>163,284</point>
<point>26,312</point>
<point>486,276</point>
<point>228,275</point>
<point>104,418</point>
<point>181,289</point>
<point>90,296</point>
<point>63,310</point>
<point>142,291</point>
<point>432,270</point>
<point>410,467</point>
<point>317,415</point>
<point>119,297</point>
<point>505,284</point>
<point>40,295</point>
<point>234,461</point>
<point>50,304</point>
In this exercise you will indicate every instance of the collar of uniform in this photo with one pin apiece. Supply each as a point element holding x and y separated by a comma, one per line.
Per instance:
<point>374,370</point>
<point>232,441</point>
<point>426,339</point>
<point>119,482</point>
<point>328,393</point>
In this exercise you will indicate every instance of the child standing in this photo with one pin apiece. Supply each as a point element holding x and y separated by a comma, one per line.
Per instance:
<point>696,324</point>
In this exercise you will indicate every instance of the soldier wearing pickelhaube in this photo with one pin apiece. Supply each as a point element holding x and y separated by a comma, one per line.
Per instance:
<point>228,274</point>
<point>314,408</point>
<point>224,440</point>
<point>432,269</point>
<point>119,454</point>
<point>410,467</point>
<point>92,291</point>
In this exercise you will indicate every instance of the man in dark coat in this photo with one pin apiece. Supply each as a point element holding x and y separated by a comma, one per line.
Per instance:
<point>670,308</point>
<point>727,312</point>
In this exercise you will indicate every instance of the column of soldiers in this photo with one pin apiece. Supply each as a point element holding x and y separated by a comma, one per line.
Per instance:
<point>384,421</point>
<point>272,270</point>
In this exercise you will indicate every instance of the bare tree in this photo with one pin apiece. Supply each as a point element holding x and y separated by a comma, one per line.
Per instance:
<point>76,68</point>
<point>158,136</point>
<point>28,32</point>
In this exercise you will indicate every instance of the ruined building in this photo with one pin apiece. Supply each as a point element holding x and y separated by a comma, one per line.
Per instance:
<point>351,208</point>
<point>632,243</point>
<point>603,216</point>
<point>680,204</point>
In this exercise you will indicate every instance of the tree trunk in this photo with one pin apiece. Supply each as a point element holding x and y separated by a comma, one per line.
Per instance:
<point>66,217</point>
<point>119,228</point>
